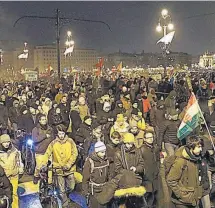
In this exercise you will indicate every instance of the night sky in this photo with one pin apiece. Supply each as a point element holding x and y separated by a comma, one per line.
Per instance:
<point>132,23</point>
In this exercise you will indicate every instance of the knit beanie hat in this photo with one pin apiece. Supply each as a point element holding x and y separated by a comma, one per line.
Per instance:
<point>4,138</point>
<point>100,146</point>
<point>128,138</point>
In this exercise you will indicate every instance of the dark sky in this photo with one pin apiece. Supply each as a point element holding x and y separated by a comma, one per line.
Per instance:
<point>132,23</point>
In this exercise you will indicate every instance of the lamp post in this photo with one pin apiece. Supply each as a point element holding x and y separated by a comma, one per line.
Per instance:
<point>69,44</point>
<point>164,24</point>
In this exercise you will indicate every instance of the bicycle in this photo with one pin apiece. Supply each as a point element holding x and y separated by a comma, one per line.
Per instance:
<point>25,145</point>
<point>48,193</point>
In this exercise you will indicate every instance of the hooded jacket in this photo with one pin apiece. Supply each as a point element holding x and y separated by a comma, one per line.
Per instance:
<point>183,178</point>
<point>14,113</point>
<point>10,161</point>
<point>170,101</point>
<point>64,154</point>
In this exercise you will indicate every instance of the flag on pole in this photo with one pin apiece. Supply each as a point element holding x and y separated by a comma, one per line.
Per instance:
<point>191,118</point>
<point>167,39</point>
<point>119,67</point>
<point>23,56</point>
<point>69,50</point>
<point>99,66</point>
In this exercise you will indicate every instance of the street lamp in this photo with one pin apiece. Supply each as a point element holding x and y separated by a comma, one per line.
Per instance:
<point>165,24</point>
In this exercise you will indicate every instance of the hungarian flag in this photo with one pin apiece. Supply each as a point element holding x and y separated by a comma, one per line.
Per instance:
<point>192,118</point>
<point>119,67</point>
<point>99,66</point>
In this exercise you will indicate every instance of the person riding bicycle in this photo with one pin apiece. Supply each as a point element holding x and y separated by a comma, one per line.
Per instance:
<point>64,154</point>
<point>42,136</point>
<point>10,160</point>
<point>6,190</point>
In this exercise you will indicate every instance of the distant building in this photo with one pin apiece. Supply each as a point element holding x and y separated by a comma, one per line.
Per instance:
<point>45,56</point>
<point>207,60</point>
<point>147,59</point>
<point>42,57</point>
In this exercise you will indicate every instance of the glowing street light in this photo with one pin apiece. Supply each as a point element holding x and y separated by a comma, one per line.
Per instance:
<point>69,33</point>
<point>165,24</point>
<point>170,26</point>
<point>164,12</point>
<point>159,28</point>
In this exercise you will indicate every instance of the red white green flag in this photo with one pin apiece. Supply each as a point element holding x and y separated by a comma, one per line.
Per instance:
<point>192,118</point>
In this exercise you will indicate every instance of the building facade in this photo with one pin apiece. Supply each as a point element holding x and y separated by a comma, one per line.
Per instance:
<point>207,60</point>
<point>147,59</point>
<point>45,56</point>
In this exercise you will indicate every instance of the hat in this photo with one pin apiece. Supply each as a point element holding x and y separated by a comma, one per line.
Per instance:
<point>87,117</point>
<point>4,138</point>
<point>100,146</point>
<point>120,118</point>
<point>47,99</point>
<point>128,138</point>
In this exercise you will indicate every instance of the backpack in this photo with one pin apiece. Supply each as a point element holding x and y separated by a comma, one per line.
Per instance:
<point>92,165</point>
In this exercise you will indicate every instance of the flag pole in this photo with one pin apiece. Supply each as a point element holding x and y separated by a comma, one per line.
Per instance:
<point>205,123</point>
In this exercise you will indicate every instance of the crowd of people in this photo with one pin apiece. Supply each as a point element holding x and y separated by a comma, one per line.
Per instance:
<point>119,134</point>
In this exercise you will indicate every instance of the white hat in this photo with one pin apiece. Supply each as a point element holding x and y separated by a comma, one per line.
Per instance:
<point>100,146</point>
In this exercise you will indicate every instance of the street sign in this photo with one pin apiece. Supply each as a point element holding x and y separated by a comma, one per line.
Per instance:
<point>31,76</point>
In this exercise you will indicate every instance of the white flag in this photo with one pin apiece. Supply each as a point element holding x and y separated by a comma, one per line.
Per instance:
<point>23,56</point>
<point>167,39</point>
<point>69,50</point>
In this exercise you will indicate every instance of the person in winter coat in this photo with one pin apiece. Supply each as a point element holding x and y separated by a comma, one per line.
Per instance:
<point>28,119</point>
<point>118,109</point>
<point>106,111</point>
<point>150,154</point>
<point>170,101</point>
<point>185,175</point>
<point>126,101</point>
<point>138,135</point>
<point>129,157</point>
<point>46,106</point>
<point>83,108</point>
<point>112,147</point>
<point>136,119</point>
<point>95,175</point>
<point>63,152</point>
<point>6,189</point>
<point>10,160</point>
<point>84,135</point>
<point>14,114</point>
<point>42,136</point>
<point>64,111</point>
<point>91,97</point>
<point>146,105</point>
<point>168,133</point>
<point>59,96</point>
<point>3,118</point>
<point>75,117</point>
<point>120,125</point>
<point>54,117</point>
